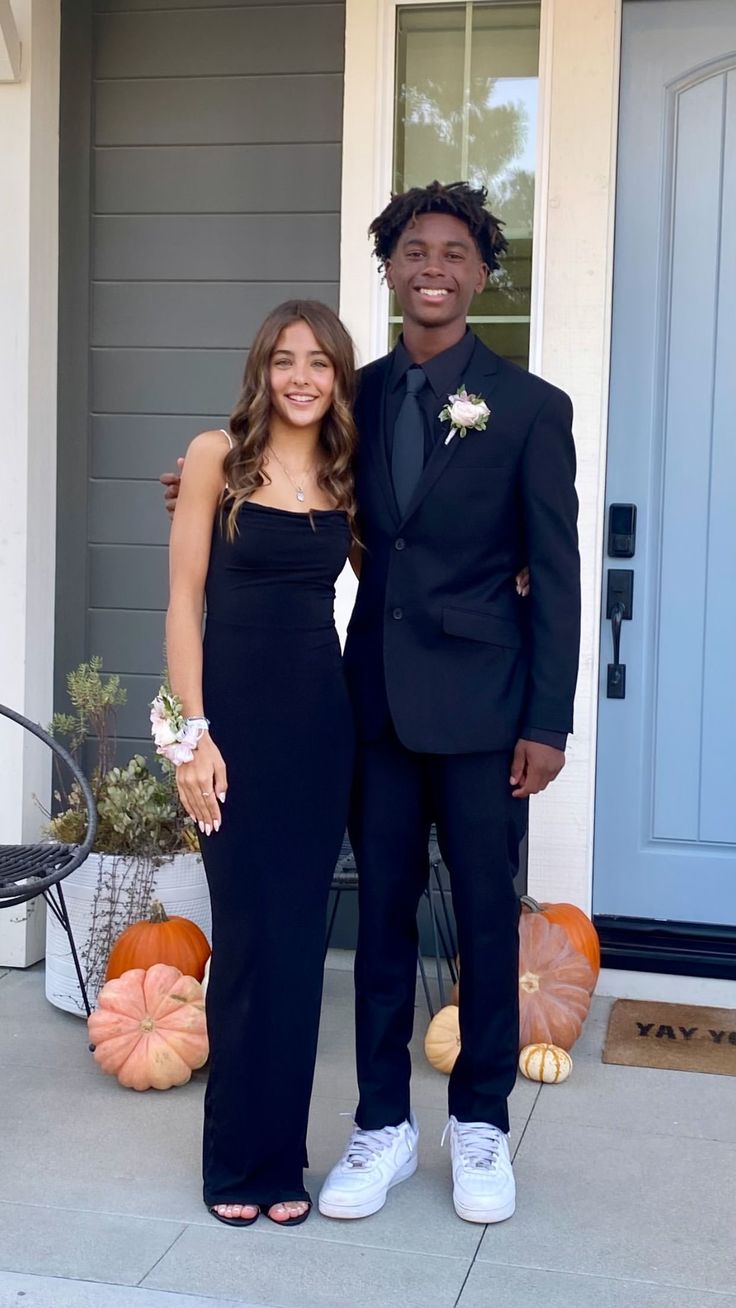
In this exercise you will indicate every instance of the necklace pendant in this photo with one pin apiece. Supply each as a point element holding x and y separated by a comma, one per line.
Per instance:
<point>300,496</point>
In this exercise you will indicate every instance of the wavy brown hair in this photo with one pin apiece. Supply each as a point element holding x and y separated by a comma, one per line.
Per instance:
<point>250,419</point>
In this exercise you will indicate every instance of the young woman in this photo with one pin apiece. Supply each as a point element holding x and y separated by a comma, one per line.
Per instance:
<point>264,524</point>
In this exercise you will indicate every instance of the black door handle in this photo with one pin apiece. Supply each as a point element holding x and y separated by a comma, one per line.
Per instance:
<point>617,669</point>
<point>617,617</point>
<point>619,608</point>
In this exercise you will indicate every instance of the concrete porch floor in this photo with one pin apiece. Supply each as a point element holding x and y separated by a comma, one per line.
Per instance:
<point>627,1196</point>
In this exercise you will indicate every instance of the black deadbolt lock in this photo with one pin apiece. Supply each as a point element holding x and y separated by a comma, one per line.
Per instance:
<point>620,591</point>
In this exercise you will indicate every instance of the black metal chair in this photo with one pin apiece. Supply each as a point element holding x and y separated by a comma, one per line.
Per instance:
<point>345,877</point>
<point>39,869</point>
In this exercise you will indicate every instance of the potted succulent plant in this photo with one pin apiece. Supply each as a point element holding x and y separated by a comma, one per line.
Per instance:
<point>145,848</point>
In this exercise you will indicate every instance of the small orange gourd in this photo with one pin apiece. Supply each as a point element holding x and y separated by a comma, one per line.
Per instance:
<point>547,1063</point>
<point>149,1028</point>
<point>442,1041</point>
<point>160,939</point>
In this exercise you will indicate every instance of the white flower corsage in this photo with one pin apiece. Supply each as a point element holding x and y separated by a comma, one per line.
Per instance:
<point>176,737</point>
<point>465,413</point>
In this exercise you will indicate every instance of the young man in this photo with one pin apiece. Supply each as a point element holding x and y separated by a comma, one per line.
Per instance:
<point>462,691</point>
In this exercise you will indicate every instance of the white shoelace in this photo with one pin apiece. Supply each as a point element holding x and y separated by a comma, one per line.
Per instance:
<point>366,1146</point>
<point>478,1143</point>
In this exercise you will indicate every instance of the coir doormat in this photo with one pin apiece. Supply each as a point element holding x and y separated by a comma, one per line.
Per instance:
<point>683,1037</point>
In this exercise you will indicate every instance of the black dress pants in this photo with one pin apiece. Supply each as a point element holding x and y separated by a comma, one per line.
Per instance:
<point>397,796</point>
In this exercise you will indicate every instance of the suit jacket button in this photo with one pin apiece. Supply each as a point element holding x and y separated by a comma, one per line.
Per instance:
<point>400,544</point>
<point>398,614</point>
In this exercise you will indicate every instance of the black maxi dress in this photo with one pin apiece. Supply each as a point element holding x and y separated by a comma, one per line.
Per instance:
<point>279,712</point>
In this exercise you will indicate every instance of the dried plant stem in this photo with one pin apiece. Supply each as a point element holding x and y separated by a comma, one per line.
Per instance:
<point>122,896</point>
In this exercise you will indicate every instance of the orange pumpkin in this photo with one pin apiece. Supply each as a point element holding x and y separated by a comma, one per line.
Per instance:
<point>442,1041</point>
<point>160,939</point>
<point>149,1028</point>
<point>555,984</point>
<point>579,929</point>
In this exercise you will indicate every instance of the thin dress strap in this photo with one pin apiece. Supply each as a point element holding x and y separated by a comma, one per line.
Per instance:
<point>230,443</point>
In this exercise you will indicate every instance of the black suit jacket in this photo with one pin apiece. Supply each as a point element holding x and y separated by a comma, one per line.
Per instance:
<point>439,641</point>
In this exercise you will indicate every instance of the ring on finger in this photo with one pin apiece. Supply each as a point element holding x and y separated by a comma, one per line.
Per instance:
<point>205,794</point>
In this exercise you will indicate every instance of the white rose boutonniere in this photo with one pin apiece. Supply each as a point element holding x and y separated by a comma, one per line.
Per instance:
<point>464,413</point>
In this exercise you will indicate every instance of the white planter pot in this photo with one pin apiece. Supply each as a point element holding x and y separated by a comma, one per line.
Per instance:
<point>179,883</point>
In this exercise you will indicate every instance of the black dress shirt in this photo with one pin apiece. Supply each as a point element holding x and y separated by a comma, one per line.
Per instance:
<point>444,375</point>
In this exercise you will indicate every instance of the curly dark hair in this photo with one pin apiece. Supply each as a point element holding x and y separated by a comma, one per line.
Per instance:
<point>459,199</point>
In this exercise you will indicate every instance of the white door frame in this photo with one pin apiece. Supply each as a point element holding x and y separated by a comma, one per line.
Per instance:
<point>571,316</point>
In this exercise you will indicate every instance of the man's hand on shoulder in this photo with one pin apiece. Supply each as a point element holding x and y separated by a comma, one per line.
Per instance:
<point>171,481</point>
<point>533,767</point>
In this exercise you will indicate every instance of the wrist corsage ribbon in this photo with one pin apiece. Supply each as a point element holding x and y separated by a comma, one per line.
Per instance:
<point>464,413</point>
<point>176,737</point>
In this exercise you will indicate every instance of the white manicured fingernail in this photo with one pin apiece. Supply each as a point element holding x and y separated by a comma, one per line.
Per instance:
<point>201,827</point>
<point>217,826</point>
<point>221,796</point>
<point>208,829</point>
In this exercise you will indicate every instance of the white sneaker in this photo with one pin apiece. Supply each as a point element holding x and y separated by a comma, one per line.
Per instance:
<point>373,1162</point>
<point>484,1189</point>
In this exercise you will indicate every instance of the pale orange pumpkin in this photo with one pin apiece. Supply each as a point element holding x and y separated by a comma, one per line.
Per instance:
<point>555,984</point>
<point>149,1028</point>
<point>442,1041</point>
<point>160,939</point>
<point>577,925</point>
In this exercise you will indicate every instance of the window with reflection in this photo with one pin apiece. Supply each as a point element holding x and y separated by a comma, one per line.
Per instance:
<point>466,110</point>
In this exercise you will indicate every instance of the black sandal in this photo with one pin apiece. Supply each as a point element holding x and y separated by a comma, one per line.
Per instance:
<point>291,1221</point>
<point>234,1221</point>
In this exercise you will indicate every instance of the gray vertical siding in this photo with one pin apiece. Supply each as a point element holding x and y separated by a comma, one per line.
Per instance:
<point>200,186</point>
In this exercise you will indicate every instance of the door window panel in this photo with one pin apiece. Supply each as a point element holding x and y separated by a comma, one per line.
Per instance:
<point>466,109</point>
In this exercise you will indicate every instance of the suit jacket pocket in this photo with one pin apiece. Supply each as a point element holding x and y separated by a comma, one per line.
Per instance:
<point>474,624</point>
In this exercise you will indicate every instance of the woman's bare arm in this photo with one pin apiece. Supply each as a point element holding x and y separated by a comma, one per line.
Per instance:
<point>202,483</point>
<point>189,555</point>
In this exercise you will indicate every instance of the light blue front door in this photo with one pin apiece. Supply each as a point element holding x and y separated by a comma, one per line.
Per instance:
<point>665,837</point>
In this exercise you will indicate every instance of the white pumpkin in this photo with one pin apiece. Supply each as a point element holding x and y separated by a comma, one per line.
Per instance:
<point>545,1063</point>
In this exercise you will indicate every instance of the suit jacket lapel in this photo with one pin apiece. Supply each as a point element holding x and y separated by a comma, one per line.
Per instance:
<point>479,379</point>
<point>372,417</point>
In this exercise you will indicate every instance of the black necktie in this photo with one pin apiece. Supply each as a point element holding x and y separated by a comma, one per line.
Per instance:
<point>407,454</point>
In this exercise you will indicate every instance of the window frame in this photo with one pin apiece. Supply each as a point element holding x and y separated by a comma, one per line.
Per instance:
<point>368,150</point>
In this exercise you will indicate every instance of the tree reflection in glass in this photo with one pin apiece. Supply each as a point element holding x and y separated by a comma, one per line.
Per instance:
<point>466,108</point>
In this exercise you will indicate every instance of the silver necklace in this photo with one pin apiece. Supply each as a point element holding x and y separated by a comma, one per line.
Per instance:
<point>299,490</point>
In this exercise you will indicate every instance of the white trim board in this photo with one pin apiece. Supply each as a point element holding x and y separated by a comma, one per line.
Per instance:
<point>29,239</point>
<point>662,987</point>
<point>572,277</point>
